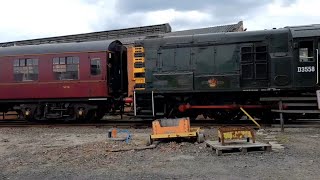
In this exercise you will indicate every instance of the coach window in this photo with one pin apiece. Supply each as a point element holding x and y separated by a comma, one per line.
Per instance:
<point>66,68</point>
<point>95,66</point>
<point>306,51</point>
<point>25,69</point>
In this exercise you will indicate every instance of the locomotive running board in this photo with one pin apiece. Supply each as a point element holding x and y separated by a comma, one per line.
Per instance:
<point>288,98</point>
<point>297,111</point>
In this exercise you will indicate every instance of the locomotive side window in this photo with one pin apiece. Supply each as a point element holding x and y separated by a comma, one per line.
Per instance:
<point>306,51</point>
<point>246,54</point>
<point>247,71</point>
<point>25,69</point>
<point>247,62</point>
<point>66,68</point>
<point>261,53</point>
<point>261,57</point>
<point>95,66</point>
<point>254,62</point>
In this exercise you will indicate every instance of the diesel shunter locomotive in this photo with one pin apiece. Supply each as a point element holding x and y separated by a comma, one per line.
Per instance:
<point>215,74</point>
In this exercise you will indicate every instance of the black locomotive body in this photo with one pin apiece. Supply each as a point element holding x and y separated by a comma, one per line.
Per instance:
<point>215,74</point>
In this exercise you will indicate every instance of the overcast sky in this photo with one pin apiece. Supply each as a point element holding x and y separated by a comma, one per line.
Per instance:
<point>26,19</point>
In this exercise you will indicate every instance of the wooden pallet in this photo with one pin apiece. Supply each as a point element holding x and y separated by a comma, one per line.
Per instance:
<point>238,146</point>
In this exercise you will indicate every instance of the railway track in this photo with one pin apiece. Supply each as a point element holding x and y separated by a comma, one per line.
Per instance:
<point>72,124</point>
<point>147,124</point>
<point>108,123</point>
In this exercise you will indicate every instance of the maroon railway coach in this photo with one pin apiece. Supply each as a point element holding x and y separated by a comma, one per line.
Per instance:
<point>63,81</point>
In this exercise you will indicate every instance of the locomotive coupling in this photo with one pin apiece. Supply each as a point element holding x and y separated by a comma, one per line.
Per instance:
<point>128,100</point>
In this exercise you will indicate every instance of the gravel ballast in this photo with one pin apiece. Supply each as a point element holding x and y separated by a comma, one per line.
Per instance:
<point>84,153</point>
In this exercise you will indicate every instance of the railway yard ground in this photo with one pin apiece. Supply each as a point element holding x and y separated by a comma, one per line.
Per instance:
<point>85,153</point>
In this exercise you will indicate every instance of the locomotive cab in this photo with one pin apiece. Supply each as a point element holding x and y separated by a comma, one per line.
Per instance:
<point>306,44</point>
<point>306,61</point>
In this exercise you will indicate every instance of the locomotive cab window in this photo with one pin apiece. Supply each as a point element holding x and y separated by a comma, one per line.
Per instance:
<point>306,51</point>
<point>95,66</point>
<point>66,68</point>
<point>25,69</point>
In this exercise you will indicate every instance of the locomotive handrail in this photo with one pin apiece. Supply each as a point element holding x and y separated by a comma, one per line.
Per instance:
<point>317,50</point>
<point>134,103</point>
<point>152,104</point>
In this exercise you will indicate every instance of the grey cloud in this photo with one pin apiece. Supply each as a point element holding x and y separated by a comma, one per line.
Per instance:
<point>216,8</point>
<point>185,5</point>
<point>220,11</point>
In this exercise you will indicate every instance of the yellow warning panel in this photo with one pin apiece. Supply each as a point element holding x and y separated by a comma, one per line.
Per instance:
<point>140,80</point>
<point>139,68</point>
<point>138,49</point>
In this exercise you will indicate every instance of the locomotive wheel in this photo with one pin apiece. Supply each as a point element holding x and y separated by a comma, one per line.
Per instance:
<point>192,115</point>
<point>149,141</point>
<point>93,116</point>
<point>99,115</point>
<point>225,116</point>
<point>90,117</point>
<point>267,116</point>
<point>200,137</point>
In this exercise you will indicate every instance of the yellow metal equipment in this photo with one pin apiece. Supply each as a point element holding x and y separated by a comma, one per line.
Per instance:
<point>232,133</point>
<point>174,128</point>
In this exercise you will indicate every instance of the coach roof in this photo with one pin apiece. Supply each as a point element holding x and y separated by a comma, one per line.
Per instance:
<point>106,45</point>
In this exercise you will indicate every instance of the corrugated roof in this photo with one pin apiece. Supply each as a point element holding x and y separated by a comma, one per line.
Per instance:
<point>126,36</point>
<point>96,36</point>
<point>216,29</point>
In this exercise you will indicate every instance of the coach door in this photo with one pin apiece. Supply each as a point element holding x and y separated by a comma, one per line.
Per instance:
<point>117,75</point>
<point>306,60</point>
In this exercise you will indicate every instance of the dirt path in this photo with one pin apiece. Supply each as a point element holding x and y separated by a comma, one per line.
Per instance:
<point>81,153</point>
